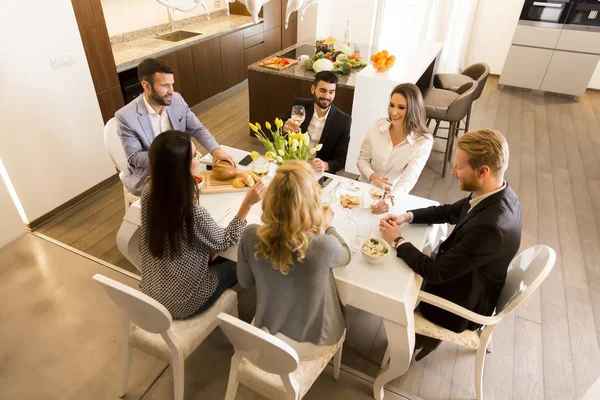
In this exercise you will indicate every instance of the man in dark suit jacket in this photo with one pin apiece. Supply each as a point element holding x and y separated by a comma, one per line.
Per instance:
<point>471,265</point>
<point>326,124</point>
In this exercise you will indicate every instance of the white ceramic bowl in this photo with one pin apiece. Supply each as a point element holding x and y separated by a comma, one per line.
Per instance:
<point>375,259</point>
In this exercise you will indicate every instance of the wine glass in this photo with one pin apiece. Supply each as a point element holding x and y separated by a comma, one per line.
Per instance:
<point>260,167</point>
<point>350,199</point>
<point>326,200</point>
<point>298,114</point>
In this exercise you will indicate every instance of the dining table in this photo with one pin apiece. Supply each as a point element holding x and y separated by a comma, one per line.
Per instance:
<point>388,289</point>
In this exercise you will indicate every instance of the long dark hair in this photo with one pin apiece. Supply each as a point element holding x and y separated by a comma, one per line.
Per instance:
<point>173,192</point>
<point>415,108</point>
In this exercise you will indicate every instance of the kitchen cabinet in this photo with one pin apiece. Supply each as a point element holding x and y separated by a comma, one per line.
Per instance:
<point>185,79</point>
<point>272,41</point>
<point>525,67</point>
<point>536,36</point>
<point>272,13</point>
<point>254,54</point>
<point>233,59</point>
<point>208,68</point>
<point>569,73</point>
<point>289,36</point>
<point>96,44</point>
<point>580,41</point>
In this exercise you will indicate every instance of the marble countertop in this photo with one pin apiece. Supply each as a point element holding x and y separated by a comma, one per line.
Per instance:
<point>129,54</point>
<point>298,71</point>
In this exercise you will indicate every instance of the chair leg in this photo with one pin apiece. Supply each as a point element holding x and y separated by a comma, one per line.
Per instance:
<point>291,387</point>
<point>437,125</point>
<point>232,385</point>
<point>468,119</point>
<point>386,357</point>
<point>126,199</point>
<point>337,362</point>
<point>489,348</point>
<point>448,147</point>
<point>126,368</point>
<point>177,363</point>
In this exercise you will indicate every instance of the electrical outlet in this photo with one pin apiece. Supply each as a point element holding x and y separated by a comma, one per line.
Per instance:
<point>218,3</point>
<point>62,60</point>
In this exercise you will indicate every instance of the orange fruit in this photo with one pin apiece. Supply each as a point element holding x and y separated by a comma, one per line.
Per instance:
<point>374,57</point>
<point>381,61</point>
<point>378,55</point>
<point>382,68</point>
<point>389,62</point>
<point>385,53</point>
<point>393,58</point>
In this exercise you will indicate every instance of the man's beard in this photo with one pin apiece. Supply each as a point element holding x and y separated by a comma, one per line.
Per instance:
<point>468,186</point>
<point>318,102</point>
<point>161,100</point>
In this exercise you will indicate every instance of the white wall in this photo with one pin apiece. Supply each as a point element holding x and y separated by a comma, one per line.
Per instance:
<point>11,227</point>
<point>51,142</point>
<point>330,17</point>
<point>131,15</point>
<point>495,24</point>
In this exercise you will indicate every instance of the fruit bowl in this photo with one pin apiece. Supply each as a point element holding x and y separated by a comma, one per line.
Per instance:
<point>383,61</point>
<point>374,250</point>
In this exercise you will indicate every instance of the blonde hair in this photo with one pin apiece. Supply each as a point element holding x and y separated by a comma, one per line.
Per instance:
<point>291,215</point>
<point>486,147</point>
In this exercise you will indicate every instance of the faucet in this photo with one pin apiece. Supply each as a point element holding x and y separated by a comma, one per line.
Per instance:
<point>171,20</point>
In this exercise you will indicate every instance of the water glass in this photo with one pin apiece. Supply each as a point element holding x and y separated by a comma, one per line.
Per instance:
<point>298,114</point>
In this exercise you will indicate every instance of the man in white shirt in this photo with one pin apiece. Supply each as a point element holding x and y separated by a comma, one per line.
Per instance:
<point>471,266</point>
<point>325,123</point>
<point>157,110</point>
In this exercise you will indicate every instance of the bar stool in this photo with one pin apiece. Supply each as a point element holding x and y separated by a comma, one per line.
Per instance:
<point>449,106</point>
<point>474,73</point>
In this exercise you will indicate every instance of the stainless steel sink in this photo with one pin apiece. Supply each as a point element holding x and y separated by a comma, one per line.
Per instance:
<point>177,36</point>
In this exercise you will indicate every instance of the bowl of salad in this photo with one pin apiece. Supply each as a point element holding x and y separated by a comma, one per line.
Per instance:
<point>374,250</point>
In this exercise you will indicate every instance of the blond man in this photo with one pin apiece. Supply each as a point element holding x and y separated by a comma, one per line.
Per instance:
<point>470,266</point>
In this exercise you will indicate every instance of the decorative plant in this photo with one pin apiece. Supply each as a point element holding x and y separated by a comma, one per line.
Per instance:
<point>284,146</point>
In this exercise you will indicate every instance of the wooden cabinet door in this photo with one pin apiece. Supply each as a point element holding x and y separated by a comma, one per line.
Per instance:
<point>272,39</point>
<point>272,13</point>
<point>233,59</point>
<point>270,96</point>
<point>94,35</point>
<point>293,16</point>
<point>289,36</point>
<point>207,68</point>
<point>254,54</point>
<point>185,81</point>
<point>110,102</point>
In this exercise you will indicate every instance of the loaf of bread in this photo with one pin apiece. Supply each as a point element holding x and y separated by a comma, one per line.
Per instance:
<point>223,171</point>
<point>248,179</point>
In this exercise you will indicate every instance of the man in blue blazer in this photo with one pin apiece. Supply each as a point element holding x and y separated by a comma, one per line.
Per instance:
<point>157,110</point>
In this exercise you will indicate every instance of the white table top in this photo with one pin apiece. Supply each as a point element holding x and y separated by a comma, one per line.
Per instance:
<point>392,280</point>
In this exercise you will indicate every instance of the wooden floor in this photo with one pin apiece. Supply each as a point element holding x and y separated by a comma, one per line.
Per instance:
<point>549,348</point>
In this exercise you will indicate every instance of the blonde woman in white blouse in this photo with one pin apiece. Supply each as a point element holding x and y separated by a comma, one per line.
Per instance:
<point>396,148</point>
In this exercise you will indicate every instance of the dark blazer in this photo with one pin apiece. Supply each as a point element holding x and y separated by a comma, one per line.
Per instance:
<point>471,266</point>
<point>335,137</point>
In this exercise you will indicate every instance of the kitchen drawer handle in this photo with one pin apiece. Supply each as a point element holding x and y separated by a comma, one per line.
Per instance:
<point>542,4</point>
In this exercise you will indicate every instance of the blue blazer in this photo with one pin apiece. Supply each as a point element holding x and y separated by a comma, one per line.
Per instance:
<point>135,130</point>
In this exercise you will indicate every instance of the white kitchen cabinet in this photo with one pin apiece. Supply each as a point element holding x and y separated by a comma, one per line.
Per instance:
<point>569,72</point>
<point>581,41</point>
<point>536,36</point>
<point>525,67</point>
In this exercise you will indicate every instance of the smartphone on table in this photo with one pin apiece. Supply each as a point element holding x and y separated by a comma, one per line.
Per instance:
<point>246,160</point>
<point>324,181</point>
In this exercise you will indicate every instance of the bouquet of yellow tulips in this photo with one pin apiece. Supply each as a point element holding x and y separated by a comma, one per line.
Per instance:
<point>285,146</point>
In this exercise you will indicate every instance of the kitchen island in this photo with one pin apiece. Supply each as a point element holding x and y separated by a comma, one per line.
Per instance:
<point>272,92</point>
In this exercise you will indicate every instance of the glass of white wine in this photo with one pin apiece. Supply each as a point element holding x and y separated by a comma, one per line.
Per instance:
<point>298,114</point>
<point>326,199</point>
<point>260,167</point>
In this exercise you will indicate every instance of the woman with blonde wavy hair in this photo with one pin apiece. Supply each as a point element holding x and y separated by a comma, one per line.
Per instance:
<point>290,258</point>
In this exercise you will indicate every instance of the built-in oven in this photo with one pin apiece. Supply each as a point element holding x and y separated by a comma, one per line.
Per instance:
<point>546,13</point>
<point>584,16</point>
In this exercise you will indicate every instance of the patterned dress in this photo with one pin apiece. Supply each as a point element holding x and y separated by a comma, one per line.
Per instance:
<point>185,282</point>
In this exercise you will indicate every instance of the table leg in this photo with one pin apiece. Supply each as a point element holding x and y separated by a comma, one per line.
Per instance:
<point>401,344</point>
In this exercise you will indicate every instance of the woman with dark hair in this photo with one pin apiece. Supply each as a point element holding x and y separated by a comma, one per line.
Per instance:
<point>396,148</point>
<point>179,238</point>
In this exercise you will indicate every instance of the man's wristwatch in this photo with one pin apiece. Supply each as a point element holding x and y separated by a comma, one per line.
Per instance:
<point>395,241</point>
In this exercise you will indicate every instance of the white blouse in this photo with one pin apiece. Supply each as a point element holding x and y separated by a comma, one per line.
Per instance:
<point>402,164</point>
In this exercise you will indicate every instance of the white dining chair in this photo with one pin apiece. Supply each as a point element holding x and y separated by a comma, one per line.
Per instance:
<point>270,366</point>
<point>117,155</point>
<point>149,327</point>
<point>526,273</point>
